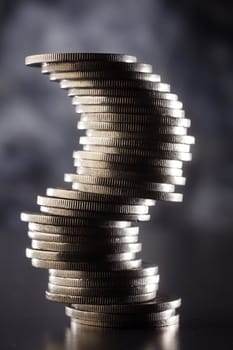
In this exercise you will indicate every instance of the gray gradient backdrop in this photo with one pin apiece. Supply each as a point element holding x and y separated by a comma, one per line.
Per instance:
<point>190,46</point>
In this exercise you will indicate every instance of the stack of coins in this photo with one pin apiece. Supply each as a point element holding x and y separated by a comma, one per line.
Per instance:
<point>133,150</point>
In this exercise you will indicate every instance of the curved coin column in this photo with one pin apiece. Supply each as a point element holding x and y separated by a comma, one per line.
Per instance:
<point>133,150</point>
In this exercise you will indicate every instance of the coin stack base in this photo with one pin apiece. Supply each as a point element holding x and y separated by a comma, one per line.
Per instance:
<point>132,156</point>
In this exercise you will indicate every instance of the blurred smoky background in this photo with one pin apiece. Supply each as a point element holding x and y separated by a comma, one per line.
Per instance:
<point>190,44</point>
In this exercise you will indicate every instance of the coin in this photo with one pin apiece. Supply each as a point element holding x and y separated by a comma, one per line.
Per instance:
<point>63,221</point>
<point>77,257</point>
<point>74,56</point>
<point>149,130</point>
<point>121,92</point>
<point>95,66</point>
<point>104,142</point>
<point>130,122</point>
<point>93,215</point>
<point>127,174</point>
<point>180,139</point>
<point>105,100</point>
<point>105,75</point>
<point>85,230</point>
<point>123,291</point>
<point>82,239</point>
<point>151,176</point>
<point>99,158</point>
<point>173,320</point>
<point>84,248</point>
<point>87,266</point>
<point>102,153</point>
<point>157,305</point>
<point>91,205</point>
<point>113,190</point>
<point>103,282</point>
<point>85,196</point>
<point>140,271</point>
<point>70,299</point>
<point>75,178</point>
<point>111,318</point>
<point>147,109</point>
<point>115,84</point>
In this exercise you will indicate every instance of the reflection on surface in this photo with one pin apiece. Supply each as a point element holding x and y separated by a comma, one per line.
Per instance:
<point>90,338</point>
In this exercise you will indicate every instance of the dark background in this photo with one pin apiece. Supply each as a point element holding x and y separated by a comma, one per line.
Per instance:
<point>190,44</point>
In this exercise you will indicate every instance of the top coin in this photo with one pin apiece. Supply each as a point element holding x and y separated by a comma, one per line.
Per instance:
<point>37,60</point>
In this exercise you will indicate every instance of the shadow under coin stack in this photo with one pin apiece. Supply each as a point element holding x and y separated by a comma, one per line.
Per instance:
<point>133,149</point>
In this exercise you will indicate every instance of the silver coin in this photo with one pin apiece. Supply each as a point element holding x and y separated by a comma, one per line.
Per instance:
<point>121,93</point>
<point>70,299</point>
<point>184,139</point>
<point>95,66</point>
<point>152,176</point>
<point>76,230</point>
<point>94,215</point>
<point>98,164</point>
<point>85,196</point>
<point>147,129</point>
<point>104,142</point>
<point>174,197</point>
<point>102,152</point>
<point>157,110</point>
<point>78,257</point>
<point>84,248</point>
<point>68,221</point>
<point>81,239</point>
<point>116,84</point>
<point>157,305</point>
<point>86,267</point>
<point>104,75</point>
<point>130,161</point>
<point>173,320</point>
<point>37,60</point>
<point>75,178</point>
<point>91,205</point>
<point>112,318</point>
<point>141,271</point>
<point>130,122</point>
<point>106,100</point>
<point>108,172</point>
<point>103,282</point>
<point>123,291</point>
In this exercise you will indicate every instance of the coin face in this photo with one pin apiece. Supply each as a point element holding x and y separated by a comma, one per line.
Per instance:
<point>132,152</point>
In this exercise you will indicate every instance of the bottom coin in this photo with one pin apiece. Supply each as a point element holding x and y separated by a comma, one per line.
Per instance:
<point>171,321</point>
<point>114,318</point>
